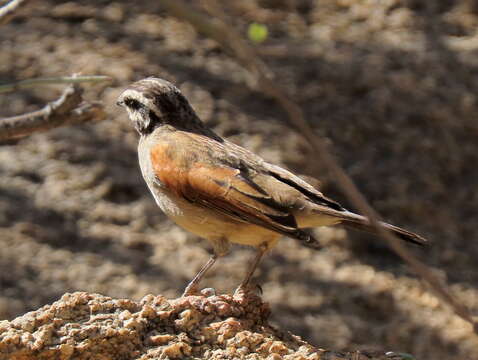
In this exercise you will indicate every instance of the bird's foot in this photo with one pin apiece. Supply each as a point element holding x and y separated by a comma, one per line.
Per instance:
<point>190,291</point>
<point>248,288</point>
<point>193,291</point>
<point>208,292</point>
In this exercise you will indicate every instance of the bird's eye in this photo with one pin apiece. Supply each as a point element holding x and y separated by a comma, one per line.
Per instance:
<point>132,103</point>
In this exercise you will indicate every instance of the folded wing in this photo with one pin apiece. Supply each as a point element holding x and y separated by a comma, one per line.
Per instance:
<point>227,190</point>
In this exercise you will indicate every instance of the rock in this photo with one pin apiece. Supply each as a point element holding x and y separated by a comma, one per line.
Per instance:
<point>92,326</point>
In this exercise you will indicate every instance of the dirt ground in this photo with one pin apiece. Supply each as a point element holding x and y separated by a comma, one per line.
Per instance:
<point>391,84</point>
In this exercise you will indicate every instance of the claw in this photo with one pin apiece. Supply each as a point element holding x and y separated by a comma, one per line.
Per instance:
<point>248,288</point>
<point>208,292</point>
<point>190,291</point>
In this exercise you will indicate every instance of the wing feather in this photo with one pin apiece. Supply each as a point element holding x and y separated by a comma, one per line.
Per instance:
<point>225,189</point>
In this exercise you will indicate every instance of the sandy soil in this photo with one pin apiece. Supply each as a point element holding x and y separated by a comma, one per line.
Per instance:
<point>391,84</point>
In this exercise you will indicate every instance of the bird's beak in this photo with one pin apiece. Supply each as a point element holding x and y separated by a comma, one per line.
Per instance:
<point>120,103</point>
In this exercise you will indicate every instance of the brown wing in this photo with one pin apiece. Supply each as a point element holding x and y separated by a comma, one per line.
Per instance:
<point>311,193</point>
<point>225,189</point>
<point>286,177</point>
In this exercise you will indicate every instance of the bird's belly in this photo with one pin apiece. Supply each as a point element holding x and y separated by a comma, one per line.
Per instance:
<point>212,225</point>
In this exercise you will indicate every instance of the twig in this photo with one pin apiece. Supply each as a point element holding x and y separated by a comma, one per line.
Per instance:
<point>69,109</point>
<point>52,80</point>
<point>6,12</point>
<point>227,37</point>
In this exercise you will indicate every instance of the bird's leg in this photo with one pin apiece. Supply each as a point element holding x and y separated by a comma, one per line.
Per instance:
<point>261,250</point>
<point>221,248</point>
<point>191,288</point>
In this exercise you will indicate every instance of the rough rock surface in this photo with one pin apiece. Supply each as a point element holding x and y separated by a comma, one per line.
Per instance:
<point>208,326</point>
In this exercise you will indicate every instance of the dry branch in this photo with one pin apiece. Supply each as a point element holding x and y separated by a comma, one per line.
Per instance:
<point>231,40</point>
<point>75,79</point>
<point>69,109</point>
<point>7,11</point>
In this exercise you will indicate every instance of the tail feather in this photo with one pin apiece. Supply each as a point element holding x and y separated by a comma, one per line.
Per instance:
<point>361,223</point>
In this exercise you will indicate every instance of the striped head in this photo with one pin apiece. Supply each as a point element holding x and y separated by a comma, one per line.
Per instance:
<point>153,102</point>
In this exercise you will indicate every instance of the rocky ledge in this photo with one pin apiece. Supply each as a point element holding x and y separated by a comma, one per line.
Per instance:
<point>207,326</point>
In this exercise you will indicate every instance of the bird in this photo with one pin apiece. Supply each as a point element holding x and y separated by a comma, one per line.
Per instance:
<point>221,191</point>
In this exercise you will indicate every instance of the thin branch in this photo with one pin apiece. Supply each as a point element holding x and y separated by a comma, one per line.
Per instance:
<point>227,37</point>
<point>69,109</point>
<point>7,11</point>
<point>75,79</point>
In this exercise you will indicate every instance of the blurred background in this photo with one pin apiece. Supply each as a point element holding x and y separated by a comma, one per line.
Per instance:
<point>391,85</point>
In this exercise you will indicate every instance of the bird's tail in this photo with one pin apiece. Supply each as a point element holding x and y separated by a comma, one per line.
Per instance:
<point>361,223</point>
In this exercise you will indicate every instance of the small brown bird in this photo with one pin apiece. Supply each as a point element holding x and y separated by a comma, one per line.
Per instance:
<point>219,190</point>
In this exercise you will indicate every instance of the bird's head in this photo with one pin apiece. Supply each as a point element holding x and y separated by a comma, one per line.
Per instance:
<point>153,102</point>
